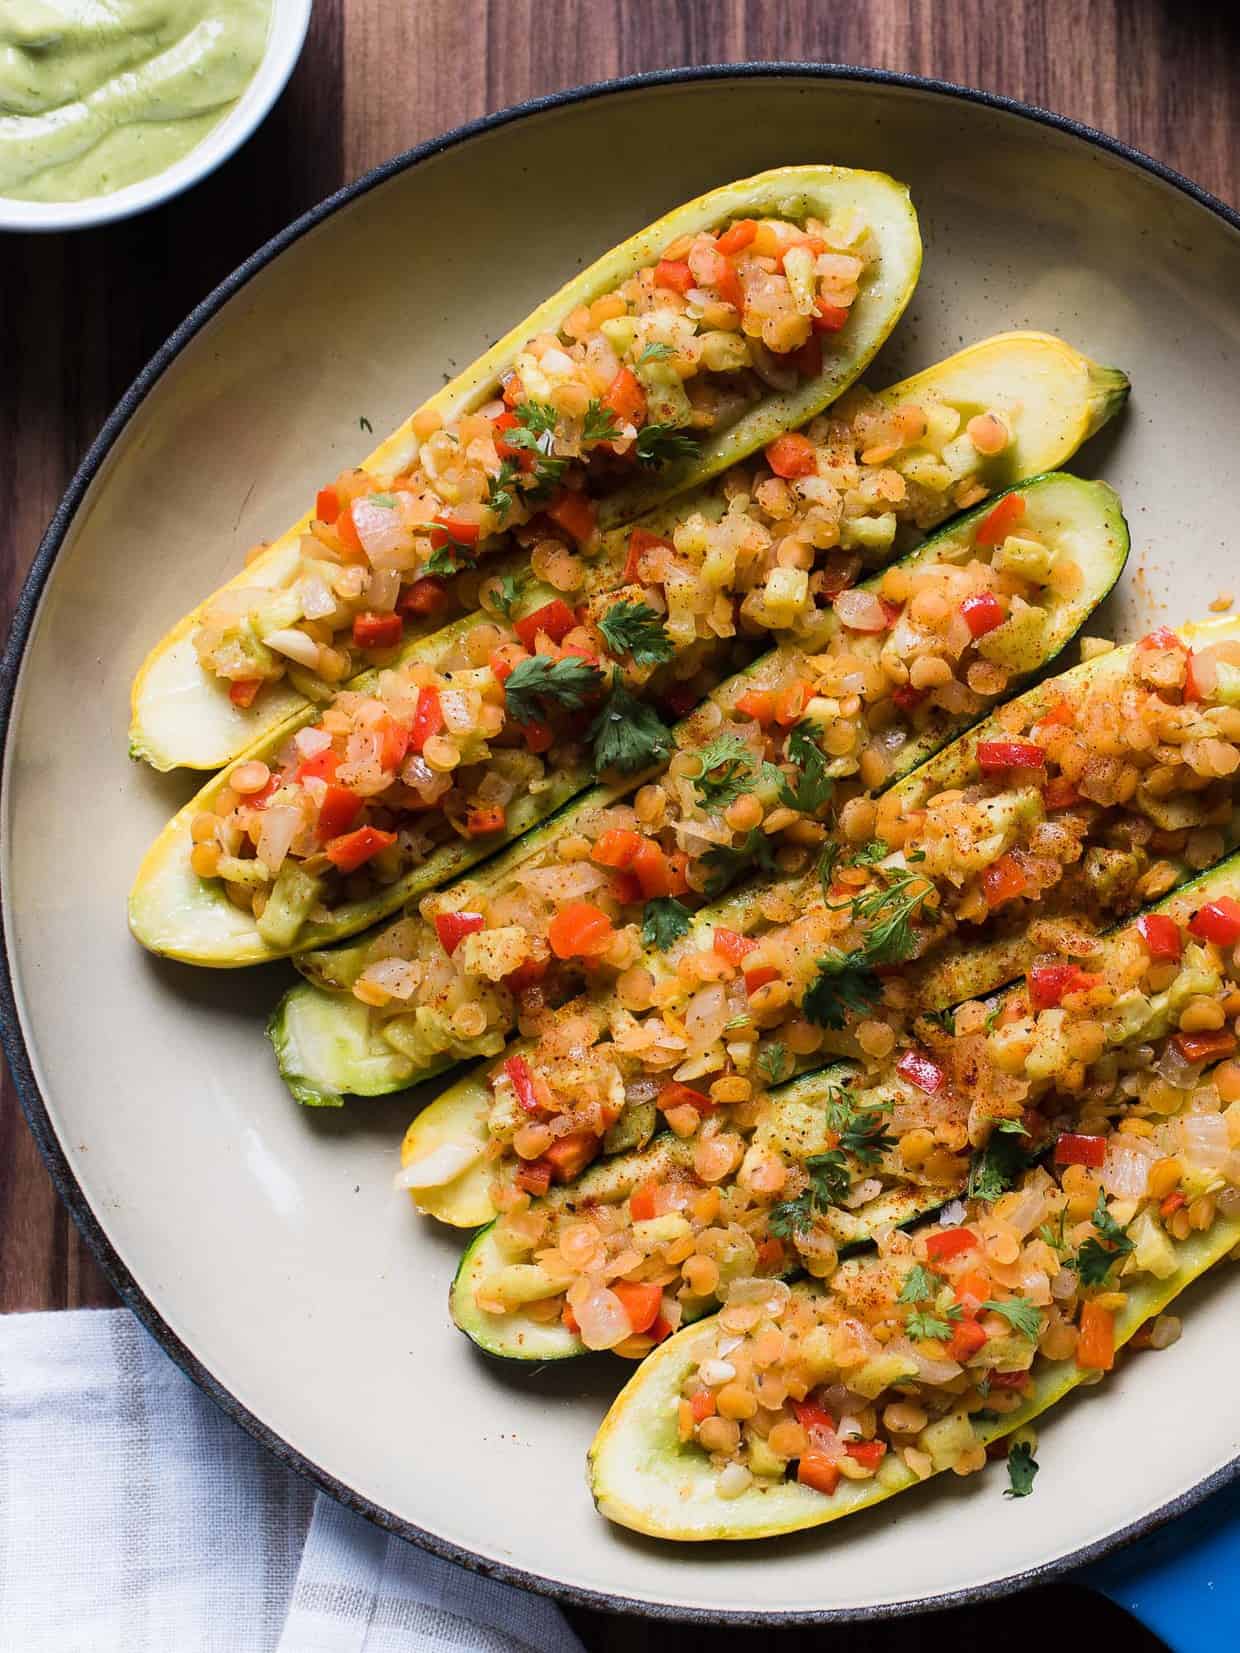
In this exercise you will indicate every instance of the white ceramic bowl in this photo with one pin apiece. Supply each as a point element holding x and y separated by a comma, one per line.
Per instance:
<point>263,1243</point>
<point>289,21</point>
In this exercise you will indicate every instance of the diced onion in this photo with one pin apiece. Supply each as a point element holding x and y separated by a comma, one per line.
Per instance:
<point>311,741</point>
<point>860,610</point>
<point>1204,1140</point>
<point>1126,1169</point>
<point>280,827</point>
<point>295,646</point>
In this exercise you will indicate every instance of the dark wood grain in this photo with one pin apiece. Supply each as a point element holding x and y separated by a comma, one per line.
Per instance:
<point>80,315</point>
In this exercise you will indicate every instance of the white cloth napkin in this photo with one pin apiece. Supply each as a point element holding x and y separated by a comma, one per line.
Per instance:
<point>136,1518</point>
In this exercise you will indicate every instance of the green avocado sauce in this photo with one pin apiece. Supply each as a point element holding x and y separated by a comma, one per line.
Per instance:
<point>98,94</point>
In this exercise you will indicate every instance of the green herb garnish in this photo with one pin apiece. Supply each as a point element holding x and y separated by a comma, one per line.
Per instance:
<point>664,922</point>
<point>814,786</point>
<point>829,1182</point>
<point>1096,1257</point>
<point>569,683</point>
<point>658,444</point>
<point>1021,1314</point>
<point>727,771</point>
<point>1022,1468</point>
<point>628,735</point>
<point>726,863</point>
<point>635,628</point>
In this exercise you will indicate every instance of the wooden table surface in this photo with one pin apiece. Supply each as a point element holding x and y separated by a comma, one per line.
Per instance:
<point>80,315</point>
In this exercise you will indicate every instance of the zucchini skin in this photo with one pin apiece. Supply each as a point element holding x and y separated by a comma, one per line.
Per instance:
<point>170,672</point>
<point>918,757</point>
<point>522,1340</point>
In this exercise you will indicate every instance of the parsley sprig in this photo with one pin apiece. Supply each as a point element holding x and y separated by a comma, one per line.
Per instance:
<point>774,1063</point>
<point>541,681</point>
<point>506,592</point>
<point>813,784</point>
<point>1097,1257</point>
<point>451,555</point>
<point>844,986</point>
<point>725,864</point>
<point>599,424</point>
<point>664,921</point>
<point>1021,1313</point>
<point>658,444</point>
<point>635,629</point>
<point>919,1283</point>
<point>628,734</point>
<point>535,433</point>
<point>727,771</point>
<point>933,1322</point>
<point>999,1166</point>
<point>829,1181</point>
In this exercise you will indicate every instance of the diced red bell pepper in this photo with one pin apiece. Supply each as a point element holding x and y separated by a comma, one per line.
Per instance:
<point>569,1155</point>
<point>921,1070</point>
<point>640,1302</point>
<point>354,849</point>
<point>815,1469</point>
<point>338,811</point>
<point>1217,921</point>
<point>573,513</point>
<point>1071,1149</point>
<point>996,525</point>
<point>1049,983</point>
<point>346,531</point>
<point>982,613</point>
<point>1162,637</point>
<point>790,703</point>
<point>728,285</point>
<point>1205,1047</point>
<point>448,530</point>
<point>807,358</point>
<point>758,704</point>
<point>484,819</point>
<point>452,928</point>
<point>526,975</point>
<point>640,541</point>
<point>538,735</point>
<point>650,866</point>
<point>534,1177</point>
<point>660,1330</point>
<point>792,455</point>
<point>996,757</point>
<point>616,847</point>
<point>907,698</point>
<point>1095,1348</point>
<point>731,944</point>
<point>242,690</point>
<point>675,1095</point>
<point>1193,690</point>
<point>759,976</point>
<point>828,318</point>
<point>736,237</point>
<point>626,889</point>
<point>514,391</point>
<point>427,718</point>
<point>772,1258</point>
<point>322,766</point>
<point>972,1290</point>
<point>1059,793</point>
<point>1004,881</point>
<point>869,1454</point>
<point>1010,1380</point>
<point>393,742</point>
<point>327,505</point>
<point>966,1339</point>
<point>1161,935</point>
<point>555,618</point>
<point>949,1242</point>
<point>702,1405</point>
<point>626,398</point>
<point>260,799</point>
<point>673,273</point>
<point>425,596</point>
<point>377,631</point>
<point>580,930</point>
<point>811,1416</point>
<point>642,1204</point>
<point>522,1082</point>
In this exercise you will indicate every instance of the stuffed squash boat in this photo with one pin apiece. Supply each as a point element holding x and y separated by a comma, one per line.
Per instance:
<point>687,347</point>
<point>750,777</point>
<point>659,622</point>
<point>766,1183</point>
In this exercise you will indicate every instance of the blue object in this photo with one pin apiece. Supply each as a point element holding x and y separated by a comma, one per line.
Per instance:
<point>1183,1583</point>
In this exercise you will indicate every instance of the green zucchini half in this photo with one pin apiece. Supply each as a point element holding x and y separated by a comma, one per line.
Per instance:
<point>182,716</point>
<point>641,1476</point>
<point>317,1064</point>
<point>517,1337</point>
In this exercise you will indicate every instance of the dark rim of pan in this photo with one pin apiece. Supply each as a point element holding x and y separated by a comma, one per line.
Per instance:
<point>13,1040</point>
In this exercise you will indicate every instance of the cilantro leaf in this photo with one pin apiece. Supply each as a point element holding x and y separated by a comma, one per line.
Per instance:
<point>1021,1314</point>
<point>568,682</point>
<point>506,591</point>
<point>814,786</point>
<point>829,1182</point>
<point>1013,1127</point>
<point>886,914</point>
<point>726,863</point>
<point>1095,1258</point>
<point>600,424</point>
<point>727,770</point>
<point>839,1107</point>
<point>919,1284</point>
<point>655,353</point>
<point>929,1323</point>
<point>665,920</point>
<point>537,418</point>
<point>635,628</point>
<point>657,444</point>
<point>1055,1237</point>
<point>998,1167</point>
<point>499,488</point>
<point>774,1063</point>
<point>870,854</point>
<point>827,863</point>
<point>865,1135</point>
<point>628,735</point>
<point>842,987</point>
<point>1022,1468</point>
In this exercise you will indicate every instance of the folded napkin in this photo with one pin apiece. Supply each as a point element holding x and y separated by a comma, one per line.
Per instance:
<point>136,1518</point>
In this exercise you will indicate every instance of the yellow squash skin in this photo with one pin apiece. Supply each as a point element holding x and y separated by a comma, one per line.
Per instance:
<point>181,716</point>
<point>644,1479</point>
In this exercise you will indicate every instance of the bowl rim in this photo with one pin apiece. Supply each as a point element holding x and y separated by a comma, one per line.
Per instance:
<point>12,1039</point>
<point>286,38</point>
